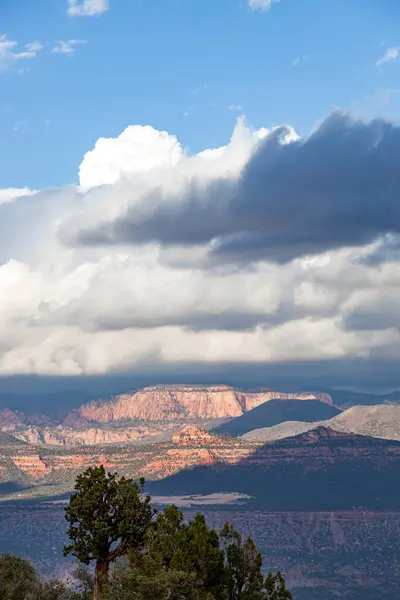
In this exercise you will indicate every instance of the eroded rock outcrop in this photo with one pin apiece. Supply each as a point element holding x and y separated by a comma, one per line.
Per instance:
<point>91,436</point>
<point>194,446</point>
<point>229,462</point>
<point>32,464</point>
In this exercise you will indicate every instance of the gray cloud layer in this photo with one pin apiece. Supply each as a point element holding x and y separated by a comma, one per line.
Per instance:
<point>338,187</point>
<point>111,276</point>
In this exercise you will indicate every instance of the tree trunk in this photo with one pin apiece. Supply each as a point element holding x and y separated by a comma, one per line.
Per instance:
<point>100,578</point>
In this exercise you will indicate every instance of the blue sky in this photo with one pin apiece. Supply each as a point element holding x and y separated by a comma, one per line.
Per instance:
<point>187,66</point>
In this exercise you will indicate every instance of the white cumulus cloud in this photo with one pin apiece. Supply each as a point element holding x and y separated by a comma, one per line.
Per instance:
<point>11,53</point>
<point>262,4</point>
<point>390,55</point>
<point>87,8</point>
<point>67,47</point>
<point>11,194</point>
<point>136,150</point>
<point>70,309</point>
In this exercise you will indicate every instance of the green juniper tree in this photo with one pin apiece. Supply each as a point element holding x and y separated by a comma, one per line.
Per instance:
<point>142,583</point>
<point>275,587</point>
<point>111,519</point>
<point>18,578</point>
<point>243,564</point>
<point>107,516</point>
<point>19,581</point>
<point>192,548</point>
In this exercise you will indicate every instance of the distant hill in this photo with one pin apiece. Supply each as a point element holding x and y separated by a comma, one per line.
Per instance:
<point>345,398</point>
<point>281,431</point>
<point>277,411</point>
<point>320,470</point>
<point>381,421</point>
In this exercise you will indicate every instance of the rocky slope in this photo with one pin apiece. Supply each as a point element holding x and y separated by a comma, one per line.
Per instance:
<point>182,402</point>
<point>283,430</point>
<point>381,421</point>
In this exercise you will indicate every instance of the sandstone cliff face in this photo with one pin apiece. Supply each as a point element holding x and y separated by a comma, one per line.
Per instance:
<point>31,464</point>
<point>196,436</point>
<point>91,436</point>
<point>193,446</point>
<point>161,403</point>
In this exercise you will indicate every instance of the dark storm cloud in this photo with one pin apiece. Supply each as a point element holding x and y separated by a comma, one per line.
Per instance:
<point>378,315</point>
<point>338,187</point>
<point>58,395</point>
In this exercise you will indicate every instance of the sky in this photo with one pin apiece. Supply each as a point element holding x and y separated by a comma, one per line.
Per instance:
<point>198,186</point>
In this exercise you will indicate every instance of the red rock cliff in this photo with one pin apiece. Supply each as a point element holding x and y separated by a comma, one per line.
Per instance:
<point>161,403</point>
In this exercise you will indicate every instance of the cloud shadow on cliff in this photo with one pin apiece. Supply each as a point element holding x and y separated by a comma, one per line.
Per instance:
<point>350,472</point>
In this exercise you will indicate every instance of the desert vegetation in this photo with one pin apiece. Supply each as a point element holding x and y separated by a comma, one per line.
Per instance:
<point>138,553</point>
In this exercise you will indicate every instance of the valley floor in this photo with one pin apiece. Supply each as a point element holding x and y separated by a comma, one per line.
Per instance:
<point>324,556</point>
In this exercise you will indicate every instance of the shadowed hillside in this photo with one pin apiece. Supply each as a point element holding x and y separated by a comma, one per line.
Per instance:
<point>277,411</point>
<point>318,470</point>
<point>382,421</point>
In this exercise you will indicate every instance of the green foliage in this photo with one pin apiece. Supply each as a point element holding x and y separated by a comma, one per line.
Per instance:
<point>17,577</point>
<point>19,581</point>
<point>190,548</point>
<point>244,579</point>
<point>107,516</point>
<point>111,521</point>
<point>275,587</point>
<point>129,583</point>
<point>84,581</point>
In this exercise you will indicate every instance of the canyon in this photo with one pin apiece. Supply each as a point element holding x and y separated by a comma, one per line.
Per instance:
<point>44,470</point>
<point>322,506</point>
<point>299,469</point>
